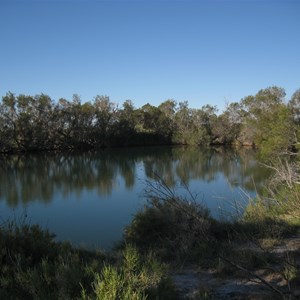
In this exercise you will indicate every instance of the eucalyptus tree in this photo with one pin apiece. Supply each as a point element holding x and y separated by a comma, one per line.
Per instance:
<point>264,101</point>
<point>207,116</point>
<point>8,134</point>
<point>167,118</point>
<point>294,106</point>
<point>18,118</point>
<point>42,119</point>
<point>63,124</point>
<point>194,126</point>
<point>227,126</point>
<point>105,119</point>
<point>269,117</point>
<point>150,116</point>
<point>124,127</point>
<point>127,116</point>
<point>168,107</point>
<point>199,128</point>
<point>183,123</point>
<point>26,122</point>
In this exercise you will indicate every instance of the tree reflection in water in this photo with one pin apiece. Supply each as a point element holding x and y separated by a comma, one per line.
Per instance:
<point>37,177</point>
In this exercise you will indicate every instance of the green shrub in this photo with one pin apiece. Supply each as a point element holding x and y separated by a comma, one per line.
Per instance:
<point>34,266</point>
<point>135,278</point>
<point>172,227</point>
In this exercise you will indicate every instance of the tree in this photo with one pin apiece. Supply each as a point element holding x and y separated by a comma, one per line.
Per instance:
<point>183,124</point>
<point>42,117</point>
<point>24,123</point>
<point>264,101</point>
<point>227,126</point>
<point>105,118</point>
<point>294,106</point>
<point>275,133</point>
<point>168,107</point>
<point>125,125</point>
<point>127,115</point>
<point>8,140</point>
<point>270,119</point>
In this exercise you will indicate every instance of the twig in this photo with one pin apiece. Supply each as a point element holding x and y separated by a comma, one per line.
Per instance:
<point>254,275</point>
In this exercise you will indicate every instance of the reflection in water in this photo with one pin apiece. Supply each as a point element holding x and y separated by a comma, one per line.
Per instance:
<point>88,198</point>
<point>38,177</point>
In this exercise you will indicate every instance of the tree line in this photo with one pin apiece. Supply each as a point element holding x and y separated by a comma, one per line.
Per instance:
<point>36,123</point>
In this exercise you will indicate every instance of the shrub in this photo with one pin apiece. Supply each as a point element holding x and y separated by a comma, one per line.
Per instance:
<point>34,266</point>
<point>171,226</point>
<point>135,278</point>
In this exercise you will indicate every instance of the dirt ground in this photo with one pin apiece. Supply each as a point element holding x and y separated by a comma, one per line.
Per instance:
<point>195,283</point>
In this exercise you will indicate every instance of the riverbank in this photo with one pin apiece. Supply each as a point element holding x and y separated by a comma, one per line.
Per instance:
<point>254,257</point>
<point>193,282</point>
<point>173,249</point>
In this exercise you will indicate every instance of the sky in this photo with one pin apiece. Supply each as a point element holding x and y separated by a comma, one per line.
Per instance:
<point>206,52</point>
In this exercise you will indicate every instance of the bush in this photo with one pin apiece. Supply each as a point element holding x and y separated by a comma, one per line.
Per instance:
<point>34,266</point>
<point>173,227</point>
<point>136,277</point>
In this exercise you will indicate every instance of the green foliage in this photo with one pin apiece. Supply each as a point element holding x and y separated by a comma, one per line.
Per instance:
<point>173,227</point>
<point>227,127</point>
<point>274,133</point>
<point>30,123</point>
<point>278,209</point>
<point>271,122</point>
<point>34,266</point>
<point>294,106</point>
<point>136,277</point>
<point>193,126</point>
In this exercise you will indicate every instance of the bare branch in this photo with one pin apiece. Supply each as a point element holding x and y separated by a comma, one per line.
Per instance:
<point>270,286</point>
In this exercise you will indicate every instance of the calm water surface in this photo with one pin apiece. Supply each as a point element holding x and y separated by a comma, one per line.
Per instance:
<point>89,198</point>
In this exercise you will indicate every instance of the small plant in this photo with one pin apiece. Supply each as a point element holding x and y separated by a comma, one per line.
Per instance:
<point>136,278</point>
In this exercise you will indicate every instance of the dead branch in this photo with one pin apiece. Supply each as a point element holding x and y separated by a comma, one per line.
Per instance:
<point>270,286</point>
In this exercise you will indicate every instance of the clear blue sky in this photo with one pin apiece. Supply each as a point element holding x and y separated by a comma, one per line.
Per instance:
<point>206,52</point>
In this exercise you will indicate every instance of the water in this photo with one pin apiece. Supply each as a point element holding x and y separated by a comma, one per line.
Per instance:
<point>88,198</point>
